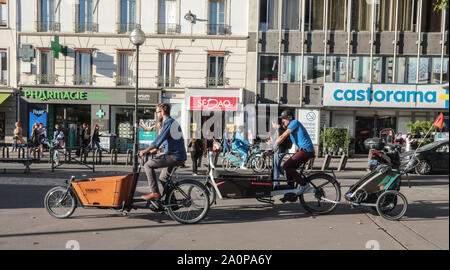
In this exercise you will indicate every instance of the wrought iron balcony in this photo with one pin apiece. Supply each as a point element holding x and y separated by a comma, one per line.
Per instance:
<point>86,27</point>
<point>167,81</point>
<point>125,80</point>
<point>46,79</point>
<point>168,28</point>
<point>48,26</point>
<point>83,79</point>
<point>127,27</point>
<point>218,29</point>
<point>213,81</point>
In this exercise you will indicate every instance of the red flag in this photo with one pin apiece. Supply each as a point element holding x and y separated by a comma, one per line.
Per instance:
<point>439,122</point>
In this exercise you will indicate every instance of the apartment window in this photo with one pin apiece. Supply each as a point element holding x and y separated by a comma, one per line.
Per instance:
<point>268,15</point>
<point>46,75</point>
<point>337,10</point>
<point>125,71</point>
<point>216,24</point>
<point>268,68</point>
<point>84,17</point>
<point>216,70</point>
<point>290,15</point>
<point>83,67</point>
<point>3,68</point>
<point>3,13</point>
<point>405,15</point>
<point>127,16</point>
<point>314,15</point>
<point>361,15</point>
<point>431,20</point>
<point>165,74</point>
<point>46,22</point>
<point>167,17</point>
<point>359,69</point>
<point>290,68</point>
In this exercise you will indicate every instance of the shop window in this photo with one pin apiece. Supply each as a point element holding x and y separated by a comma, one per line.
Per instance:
<point>445,71</point>
<point>268,68</point>
<point>336,69</point>
<point>215,70</point>
<point>3,68</point>
<point>359,69</point>
<point>84,16</point>
<point>290,68</point>
<point>337,9</point>
<point>361,15</point>
<point>388,67</point>
<point>83,68</point>
<point>3,13</point>
<point>165,74</point>
<point>46,16</point>
<point>46,75</point>
<point>216,22</point>
<point>167,17</point>
<point>314,15</point>
<point>127,16</point>
<point>314,68</point>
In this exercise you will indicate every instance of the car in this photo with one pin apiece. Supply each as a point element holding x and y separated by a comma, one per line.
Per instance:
<point>433,157</point>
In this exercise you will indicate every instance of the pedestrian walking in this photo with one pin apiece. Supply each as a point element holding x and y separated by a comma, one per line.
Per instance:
<point>18,137</point>
<point>34,138</point>
<point>226,142</point>
<point>85,136</point>
<point>42,138</point>
<point>196,149</point>
<point>95,141</point>
<point>58,135</point>
<point>409,140</point>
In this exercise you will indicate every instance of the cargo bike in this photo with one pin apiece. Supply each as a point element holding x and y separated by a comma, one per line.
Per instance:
<point>185,200</point>
<point>378,189</point>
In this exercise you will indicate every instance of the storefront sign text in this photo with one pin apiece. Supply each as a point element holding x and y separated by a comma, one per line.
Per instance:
<point>45,95</point>
<point>214,103</point>
<point>384,95</point>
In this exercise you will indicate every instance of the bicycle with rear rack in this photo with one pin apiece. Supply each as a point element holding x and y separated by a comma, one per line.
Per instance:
<point>185,200</point>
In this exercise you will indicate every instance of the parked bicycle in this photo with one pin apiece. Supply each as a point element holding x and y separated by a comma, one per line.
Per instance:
<point>233,160</point>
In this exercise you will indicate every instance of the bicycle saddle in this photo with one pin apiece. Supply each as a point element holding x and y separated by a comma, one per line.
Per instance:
<point>181,164</point>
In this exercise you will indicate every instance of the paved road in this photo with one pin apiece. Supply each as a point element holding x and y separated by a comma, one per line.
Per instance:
<point>231,224</point>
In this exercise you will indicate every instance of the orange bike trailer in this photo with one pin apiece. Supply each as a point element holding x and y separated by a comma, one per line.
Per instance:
<point>114,191</point>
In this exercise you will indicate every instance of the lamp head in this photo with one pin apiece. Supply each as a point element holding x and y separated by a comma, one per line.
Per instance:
<point>137,37</point>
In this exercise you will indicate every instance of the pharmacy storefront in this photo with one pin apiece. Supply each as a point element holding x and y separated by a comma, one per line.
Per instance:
<point>367,109</point>
<point>111,109</point>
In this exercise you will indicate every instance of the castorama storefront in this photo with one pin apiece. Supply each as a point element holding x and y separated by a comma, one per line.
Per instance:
<point>366,109</point>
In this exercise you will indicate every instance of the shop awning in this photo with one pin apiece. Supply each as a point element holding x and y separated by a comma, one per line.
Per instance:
<point>2,1</point>
<point>3,97</point>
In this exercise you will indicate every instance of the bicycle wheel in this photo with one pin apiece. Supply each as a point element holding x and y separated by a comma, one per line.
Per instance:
<point>212,193</point>
<point>57,205</point>
<point>391,205</point>
<point>257,163</point>
<point>229,165</point>
<point>325,194</point>
<point>188,201</point>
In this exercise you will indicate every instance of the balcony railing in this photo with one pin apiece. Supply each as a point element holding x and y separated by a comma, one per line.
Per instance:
<point>127,27</point>
<point>48,26</point>
<point>125,80</point>
<point>83,79</point>
<point>168,28</point>
<point>212,81</point>
<point>218,29</point>
<point>45,78</point>
<point>86,27</point>
<point>167,81</point>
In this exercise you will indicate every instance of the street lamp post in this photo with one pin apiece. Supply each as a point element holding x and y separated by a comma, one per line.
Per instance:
<point>137,37</point>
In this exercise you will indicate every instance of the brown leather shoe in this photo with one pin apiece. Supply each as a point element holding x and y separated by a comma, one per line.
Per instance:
<point>151,196</point>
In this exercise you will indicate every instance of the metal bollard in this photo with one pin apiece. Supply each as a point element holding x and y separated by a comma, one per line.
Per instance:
<point>129,157</point>
<point>114,153</point>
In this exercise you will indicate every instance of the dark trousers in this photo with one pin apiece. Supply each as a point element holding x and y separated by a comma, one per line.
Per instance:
<point>196,160</point>
<point>167,162</point>
<point>291,165</point>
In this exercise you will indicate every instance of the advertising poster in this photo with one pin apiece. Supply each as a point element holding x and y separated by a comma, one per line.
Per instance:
<point>147,132</point>
<point>37,116</point>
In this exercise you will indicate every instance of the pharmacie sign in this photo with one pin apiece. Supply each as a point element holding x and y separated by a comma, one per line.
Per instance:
<point>385,95</point>
<point>48,95</point>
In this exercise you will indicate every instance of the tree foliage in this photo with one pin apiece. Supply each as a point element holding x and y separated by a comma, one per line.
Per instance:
<point>440,5</point>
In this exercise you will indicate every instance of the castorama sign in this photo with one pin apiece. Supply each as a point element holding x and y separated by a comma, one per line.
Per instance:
<point>385,95</point>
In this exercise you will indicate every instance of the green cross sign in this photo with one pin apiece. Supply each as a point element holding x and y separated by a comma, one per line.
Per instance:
<point>58,48</point>
<point>100,113</point>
